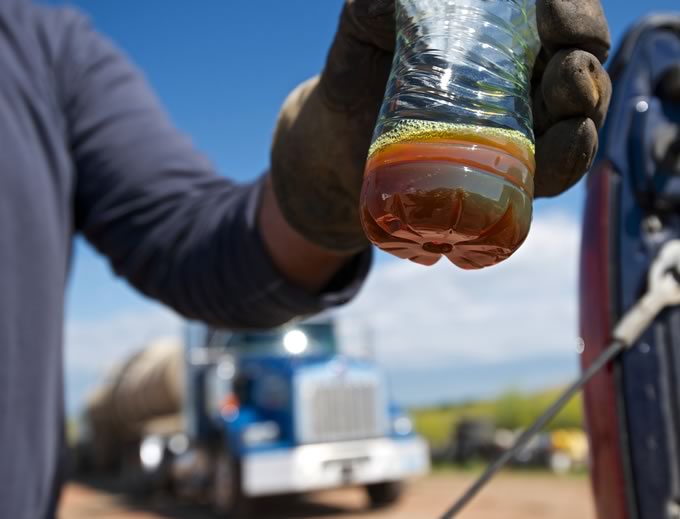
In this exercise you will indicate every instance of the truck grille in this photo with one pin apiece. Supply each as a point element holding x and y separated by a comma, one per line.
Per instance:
<point>340,406</point>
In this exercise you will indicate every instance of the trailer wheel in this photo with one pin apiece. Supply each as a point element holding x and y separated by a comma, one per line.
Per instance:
<point>384,494</point>
<point>228,499</point>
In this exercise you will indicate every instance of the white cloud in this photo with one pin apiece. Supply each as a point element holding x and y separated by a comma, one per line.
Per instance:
<point>423,317</point>
<point>95,346</point>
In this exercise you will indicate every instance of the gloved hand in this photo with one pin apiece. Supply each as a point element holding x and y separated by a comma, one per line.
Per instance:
<point>571,91</point>
<point>325,126</point>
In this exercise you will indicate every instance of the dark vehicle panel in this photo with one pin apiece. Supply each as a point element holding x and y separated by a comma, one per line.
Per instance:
<point>632,209</point>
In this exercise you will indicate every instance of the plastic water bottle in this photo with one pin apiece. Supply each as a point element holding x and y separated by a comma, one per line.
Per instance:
<point>450,170</point>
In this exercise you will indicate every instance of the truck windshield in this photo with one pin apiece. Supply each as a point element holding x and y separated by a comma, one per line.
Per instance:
<point>303,339</point>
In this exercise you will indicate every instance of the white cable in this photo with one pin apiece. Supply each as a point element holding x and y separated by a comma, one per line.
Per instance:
<point>663,290</point>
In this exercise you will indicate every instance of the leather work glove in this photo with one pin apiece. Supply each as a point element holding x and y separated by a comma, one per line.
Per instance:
<point>571,91</point>
<point>325,126</point>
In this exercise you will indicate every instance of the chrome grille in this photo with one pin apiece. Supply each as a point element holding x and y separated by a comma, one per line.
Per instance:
<point>345,406</point>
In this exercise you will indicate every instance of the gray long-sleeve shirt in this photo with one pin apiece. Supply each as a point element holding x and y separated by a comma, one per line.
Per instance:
<point>85,147</point>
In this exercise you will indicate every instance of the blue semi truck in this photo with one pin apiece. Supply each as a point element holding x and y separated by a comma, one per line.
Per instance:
<point>261,413</point>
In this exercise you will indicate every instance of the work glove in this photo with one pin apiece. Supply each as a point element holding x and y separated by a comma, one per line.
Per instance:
<point>571,91</point>
<point>325,127</point>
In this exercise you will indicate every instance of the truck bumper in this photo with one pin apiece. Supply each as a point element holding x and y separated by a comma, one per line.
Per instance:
<point>331,465</point>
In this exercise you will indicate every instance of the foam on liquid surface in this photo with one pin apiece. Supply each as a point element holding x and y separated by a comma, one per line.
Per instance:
<point>413,130</point>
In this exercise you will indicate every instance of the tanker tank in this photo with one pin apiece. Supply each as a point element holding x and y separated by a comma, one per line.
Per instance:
<point>148,387</point>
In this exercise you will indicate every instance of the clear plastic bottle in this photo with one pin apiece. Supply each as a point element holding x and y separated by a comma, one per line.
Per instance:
<point>450,170</point>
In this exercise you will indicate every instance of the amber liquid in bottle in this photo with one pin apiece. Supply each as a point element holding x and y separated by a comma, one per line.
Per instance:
<point>438,189</point>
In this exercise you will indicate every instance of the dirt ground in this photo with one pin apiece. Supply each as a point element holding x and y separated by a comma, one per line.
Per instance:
<point>511,496</point>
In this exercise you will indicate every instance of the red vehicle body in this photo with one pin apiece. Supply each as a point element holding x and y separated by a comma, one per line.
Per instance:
<point>632,209</point>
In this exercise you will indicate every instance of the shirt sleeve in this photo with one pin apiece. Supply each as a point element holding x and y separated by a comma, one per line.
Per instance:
<point>154,206</point>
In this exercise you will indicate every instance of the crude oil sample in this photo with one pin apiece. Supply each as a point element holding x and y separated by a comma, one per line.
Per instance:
<point>436,189</point>
<point>450,170</point>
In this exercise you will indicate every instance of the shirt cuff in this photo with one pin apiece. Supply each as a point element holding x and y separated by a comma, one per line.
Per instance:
<point>274,300</point>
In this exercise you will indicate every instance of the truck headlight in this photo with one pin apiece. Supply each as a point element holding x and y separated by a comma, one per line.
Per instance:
<point>260,433</point>
<point>295,342</point>
<point>402,425</point>
<point>151,452</point>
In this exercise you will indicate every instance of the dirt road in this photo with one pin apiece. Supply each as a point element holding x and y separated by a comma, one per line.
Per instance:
<point>515,496</point>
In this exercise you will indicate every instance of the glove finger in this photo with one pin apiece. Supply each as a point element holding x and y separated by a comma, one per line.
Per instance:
<point>575,85</point>
<point>359,61</point>
<point>563,155</point>
<point>372,22</point>
<point>541,115</point>
<point>573,24</point>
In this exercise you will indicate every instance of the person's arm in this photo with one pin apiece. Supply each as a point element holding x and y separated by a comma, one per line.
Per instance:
<point>302,262</point>
<point>179,233</point>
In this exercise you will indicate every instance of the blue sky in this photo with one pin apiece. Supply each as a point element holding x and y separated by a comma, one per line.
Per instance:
<point>222,69</point>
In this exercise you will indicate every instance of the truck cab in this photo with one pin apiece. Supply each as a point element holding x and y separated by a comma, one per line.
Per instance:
<point>282,411</point>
